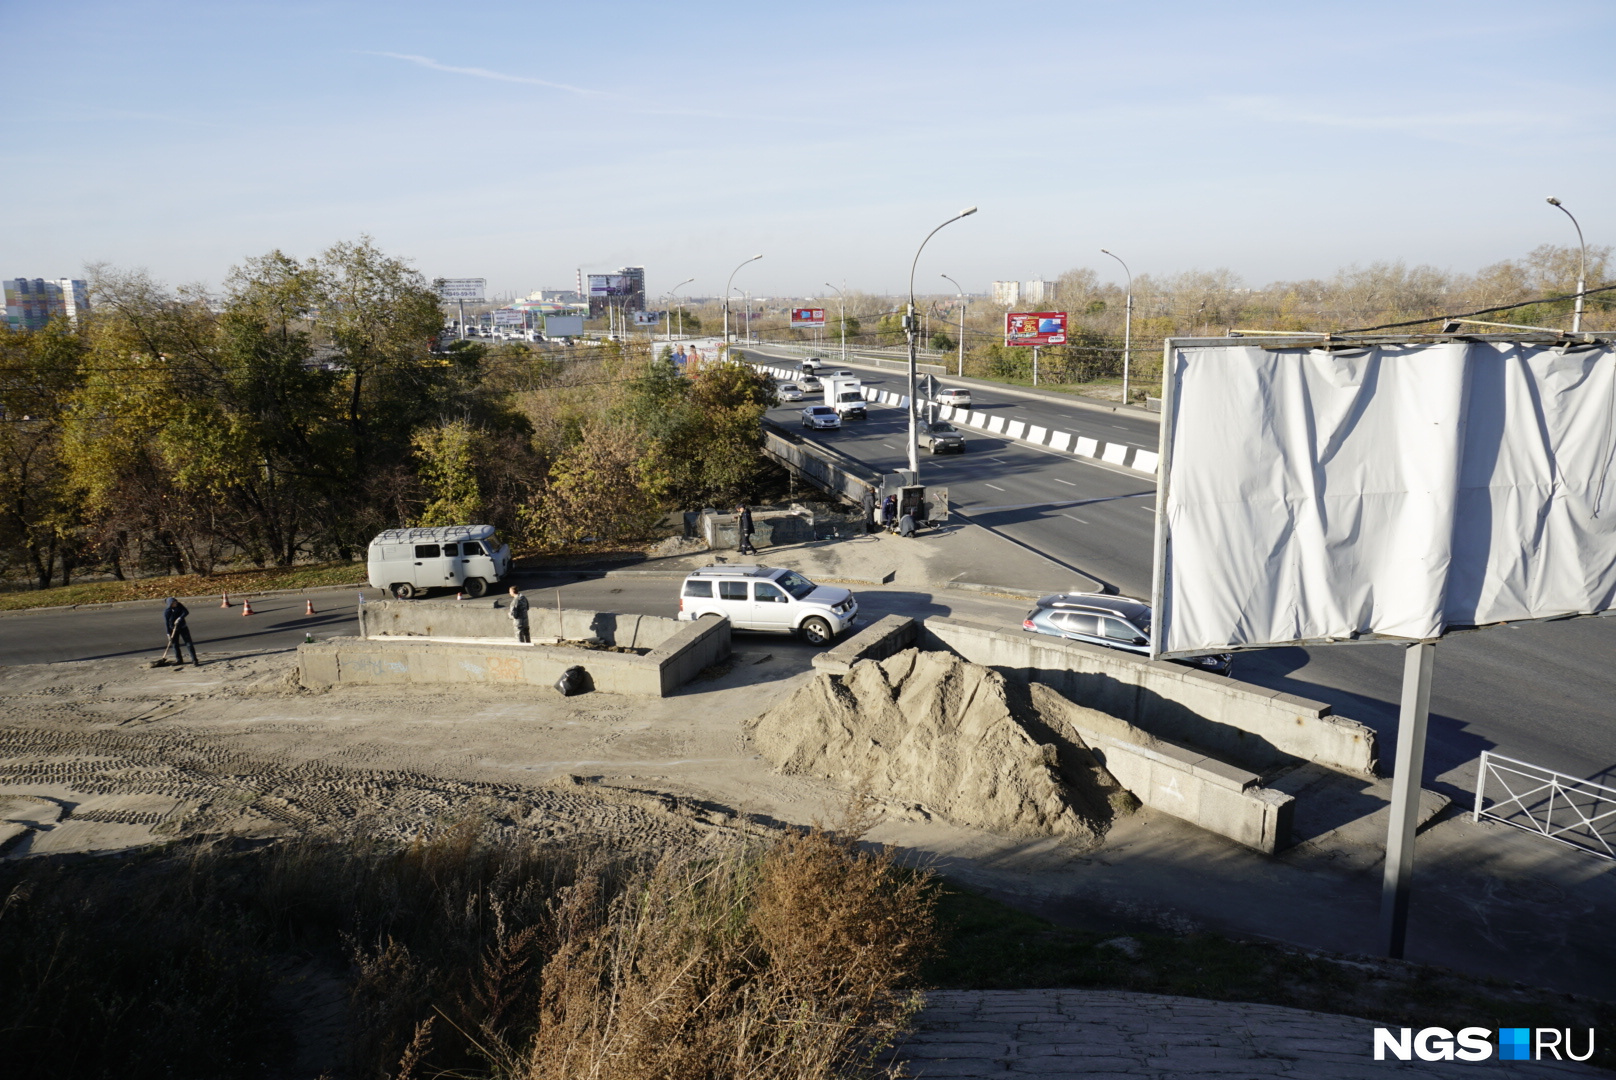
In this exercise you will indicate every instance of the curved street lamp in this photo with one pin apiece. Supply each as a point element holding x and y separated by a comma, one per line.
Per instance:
<point>964,303</point>
<point>842,297</point>
<point>1127,326</point>
<point>669,295</point>
<point>727,285</point>
<point>911,327</point>
<point>1582,273</point>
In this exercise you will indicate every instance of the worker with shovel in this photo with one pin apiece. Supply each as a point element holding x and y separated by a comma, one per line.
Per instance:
<point>179,635</point>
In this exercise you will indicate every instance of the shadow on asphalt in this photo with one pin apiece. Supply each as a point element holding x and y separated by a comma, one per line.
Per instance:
<point>305,623</point>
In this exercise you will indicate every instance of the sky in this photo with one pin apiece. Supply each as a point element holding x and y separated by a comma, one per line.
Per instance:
<point>522,142</point>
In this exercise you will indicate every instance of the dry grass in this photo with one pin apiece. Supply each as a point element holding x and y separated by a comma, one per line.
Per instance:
<point>463,955</point>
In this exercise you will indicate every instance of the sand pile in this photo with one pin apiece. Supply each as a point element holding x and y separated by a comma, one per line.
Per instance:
<point>928,728</point>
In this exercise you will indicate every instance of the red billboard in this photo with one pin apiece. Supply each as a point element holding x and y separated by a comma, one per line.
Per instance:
<point>1035,328</point>
<point>807,317</point>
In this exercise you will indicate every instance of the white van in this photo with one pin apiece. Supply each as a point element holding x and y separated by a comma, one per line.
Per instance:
<point>407,562</point>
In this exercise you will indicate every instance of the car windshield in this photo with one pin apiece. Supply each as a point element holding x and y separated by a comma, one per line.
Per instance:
<point>795,584</point>
<point>942,427</point>
<point>821,410</point>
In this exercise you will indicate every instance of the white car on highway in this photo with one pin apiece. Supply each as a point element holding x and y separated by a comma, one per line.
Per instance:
<point>821,416</point>
<point>789,392</point>
<point>953,397</point>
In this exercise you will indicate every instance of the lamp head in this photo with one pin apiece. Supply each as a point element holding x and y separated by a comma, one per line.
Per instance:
<point>1552,201</point>
<point>968,211</point>
<point>1103,251</point>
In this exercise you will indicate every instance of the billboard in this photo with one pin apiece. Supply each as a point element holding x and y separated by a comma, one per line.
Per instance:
<point>510,317</point>
<point>1035,328</point>
<point>1385,492</point>
<point>807,317</point>
<point>610,285</point>
<point>463,289</point>
<point>560,326</point>
<point>647,318</point>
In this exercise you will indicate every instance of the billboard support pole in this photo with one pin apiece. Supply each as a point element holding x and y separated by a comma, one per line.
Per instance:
<point>1035,365</point>
<point>1410,767</point>
<point>1164,472</point>
<point>462,304</point>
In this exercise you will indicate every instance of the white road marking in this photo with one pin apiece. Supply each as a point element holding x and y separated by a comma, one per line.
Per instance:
<point>889,446</point>
<point>995,487</point>
<point>1058,480</point>
<point>1079,520</point>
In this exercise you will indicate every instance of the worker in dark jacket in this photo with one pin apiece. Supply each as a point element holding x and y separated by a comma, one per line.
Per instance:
<point>179,634</point>
<point>743,527</point>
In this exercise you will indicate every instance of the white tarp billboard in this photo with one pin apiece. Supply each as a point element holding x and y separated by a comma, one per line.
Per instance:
<point>1388,492</point>
<point>461,289</point>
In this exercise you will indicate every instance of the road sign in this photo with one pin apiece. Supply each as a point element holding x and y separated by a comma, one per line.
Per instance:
<point>807,317</point>
<point>461,288</point>
<point>1035,328</point>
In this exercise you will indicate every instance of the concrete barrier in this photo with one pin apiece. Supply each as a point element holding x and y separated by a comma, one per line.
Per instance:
<point>1212,794</point>
<point>405,660</point>
<point>887,635</point>
<point>821,466</point>
<point>1257,728</point>
<point>489,620</point>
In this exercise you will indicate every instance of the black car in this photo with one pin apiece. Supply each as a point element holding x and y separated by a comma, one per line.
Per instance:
<point>1116,622</point>
<point>941,437</point>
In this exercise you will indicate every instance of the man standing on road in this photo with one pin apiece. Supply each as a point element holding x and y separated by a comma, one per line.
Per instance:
<point>179,635</point>
<point>518,615</point>
<point>743,529</point>
<point>869,510</point>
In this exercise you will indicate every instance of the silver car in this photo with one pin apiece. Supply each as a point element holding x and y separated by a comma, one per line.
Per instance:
<point>789,392</point>
<point>821,416</point>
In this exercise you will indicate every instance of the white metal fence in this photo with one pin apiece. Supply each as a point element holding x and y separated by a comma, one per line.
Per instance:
<point>1577,813</point>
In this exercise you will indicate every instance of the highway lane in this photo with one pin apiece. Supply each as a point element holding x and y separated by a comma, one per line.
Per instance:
<point>1128,428</point>
<point>1541,693</point>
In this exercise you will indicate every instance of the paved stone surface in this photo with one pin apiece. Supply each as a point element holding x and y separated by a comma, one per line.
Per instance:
<point>1100,1034</point>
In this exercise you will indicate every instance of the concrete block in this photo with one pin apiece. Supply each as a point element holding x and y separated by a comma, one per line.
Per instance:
<point>1061,440</point>
<point>1145,461</point>
<point>887,635</point>
<point>1015,429</point>
<point>996,424</point>
<point>1086,447</point>
<point>1115,453</point>
<point>1036,434</point>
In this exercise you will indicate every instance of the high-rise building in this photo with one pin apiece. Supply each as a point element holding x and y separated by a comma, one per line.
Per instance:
<point>1038,291</point>
<point>31,302</point>
<point>629,297</point>
<point>1007,293</point>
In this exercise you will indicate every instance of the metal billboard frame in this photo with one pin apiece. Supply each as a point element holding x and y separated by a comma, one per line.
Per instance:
<point>1419,655</point>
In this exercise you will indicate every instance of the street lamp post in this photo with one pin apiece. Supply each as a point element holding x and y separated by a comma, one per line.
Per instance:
<point>963,304</point>
<point>727,285</point>
<point>1127,325</point>
<point>671,291</point>
<point>1582,272</point>
<point>842,302</point>
<point>911,327</point>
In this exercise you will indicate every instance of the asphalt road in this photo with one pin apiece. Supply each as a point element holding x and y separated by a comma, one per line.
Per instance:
<point>1540,693</point>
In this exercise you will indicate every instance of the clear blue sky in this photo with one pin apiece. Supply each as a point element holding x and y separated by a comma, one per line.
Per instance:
<point>518,141</point>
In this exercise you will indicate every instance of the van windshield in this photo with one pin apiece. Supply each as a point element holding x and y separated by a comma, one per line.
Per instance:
<point>795,584</point>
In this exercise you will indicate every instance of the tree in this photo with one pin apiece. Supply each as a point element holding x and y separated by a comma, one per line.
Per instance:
<point>608,486</point>
<point>941,341</point>
<point>448,455</point>
<point>39,519</point>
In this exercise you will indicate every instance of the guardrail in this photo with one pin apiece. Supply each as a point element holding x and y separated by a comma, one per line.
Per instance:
<point>1578,813</point>
<point>1128,457</point>
<point>879,356</point>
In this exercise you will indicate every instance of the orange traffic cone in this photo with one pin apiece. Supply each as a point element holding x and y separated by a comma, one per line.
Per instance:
<point>460,596</point>
<point>246,608</point>
<point>224,599</point>
<point>310,608</point>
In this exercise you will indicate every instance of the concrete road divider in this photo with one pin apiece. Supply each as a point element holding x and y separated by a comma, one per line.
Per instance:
<point>1133,458</point>
<point>881,639</point>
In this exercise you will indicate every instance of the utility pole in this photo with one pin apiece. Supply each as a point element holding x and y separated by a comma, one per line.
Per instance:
<point>671,291</point>
<point>1582,272</point>
<point>727,285</point>
<point>842,300</point>
<point>963,304</point>
<point>911,327</point>
<point>1127,326</point>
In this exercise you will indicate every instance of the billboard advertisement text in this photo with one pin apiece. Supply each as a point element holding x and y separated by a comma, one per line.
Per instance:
<point>1035,328</point>
<point>507,317</point>
<point>807,317</point>
<point>461,288</point>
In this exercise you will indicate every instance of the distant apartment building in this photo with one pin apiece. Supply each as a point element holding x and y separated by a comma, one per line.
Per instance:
<point>632,298</point>
<point>1012,294</point>
<point>1037,291</point>
<point>1007,293</point>
<point>32,302</point>
<point>556,296</point>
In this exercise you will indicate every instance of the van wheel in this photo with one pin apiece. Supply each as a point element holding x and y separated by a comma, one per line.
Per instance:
<point>475,587</point>
<point>816,631</point>
<point>405,591</point>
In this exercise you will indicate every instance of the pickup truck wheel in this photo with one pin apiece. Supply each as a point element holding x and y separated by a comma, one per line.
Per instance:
<point>475,587</point>
<point>816,631</point>
<point>403,590</point>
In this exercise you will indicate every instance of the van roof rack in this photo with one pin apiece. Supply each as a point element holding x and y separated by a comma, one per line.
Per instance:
<point>434,534</point>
